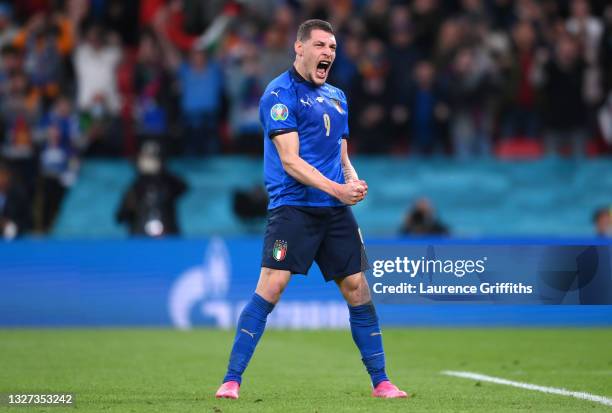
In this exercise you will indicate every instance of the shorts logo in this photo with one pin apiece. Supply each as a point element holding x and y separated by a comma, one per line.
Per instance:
<point>279,112</point>
<point>280,250</point>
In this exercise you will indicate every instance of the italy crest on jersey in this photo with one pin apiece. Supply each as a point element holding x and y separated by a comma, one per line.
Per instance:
<point>279,252</point>
<point>279,112</point>
<point>337,105</point>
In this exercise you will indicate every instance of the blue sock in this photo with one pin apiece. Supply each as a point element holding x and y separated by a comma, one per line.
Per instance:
<point>251,325</point>
<point>367,336</point>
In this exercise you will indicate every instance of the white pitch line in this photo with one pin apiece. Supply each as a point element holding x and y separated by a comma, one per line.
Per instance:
<point>551,390</point>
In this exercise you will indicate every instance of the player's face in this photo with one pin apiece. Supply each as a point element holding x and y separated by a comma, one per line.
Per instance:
<point>317,55</point>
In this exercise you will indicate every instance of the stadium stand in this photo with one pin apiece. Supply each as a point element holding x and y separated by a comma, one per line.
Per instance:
<point>474,198</point>
<point>463,91</point>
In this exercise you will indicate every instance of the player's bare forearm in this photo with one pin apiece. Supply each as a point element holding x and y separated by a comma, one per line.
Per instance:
<point>308,175</point>
<point>288,146</point>
<point>350,174</point>
<point>347,167</point>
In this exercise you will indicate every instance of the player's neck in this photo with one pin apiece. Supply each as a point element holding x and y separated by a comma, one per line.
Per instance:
<point>301,73</point>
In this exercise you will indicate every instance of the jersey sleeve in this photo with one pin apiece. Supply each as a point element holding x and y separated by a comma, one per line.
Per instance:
<point>345,134</point>
<point>278,112</point>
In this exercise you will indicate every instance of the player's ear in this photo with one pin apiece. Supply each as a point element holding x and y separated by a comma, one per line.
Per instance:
<point>299,48</point>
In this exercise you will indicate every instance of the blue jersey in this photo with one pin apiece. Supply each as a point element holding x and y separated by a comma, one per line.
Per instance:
<point>319,115</point>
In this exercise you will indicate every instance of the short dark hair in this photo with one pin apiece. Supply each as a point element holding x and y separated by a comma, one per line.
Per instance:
<point>308,26</point>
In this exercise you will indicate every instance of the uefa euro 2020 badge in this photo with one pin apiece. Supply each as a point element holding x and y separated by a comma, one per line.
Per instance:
<point>279,112</point>
<point>280,250</point>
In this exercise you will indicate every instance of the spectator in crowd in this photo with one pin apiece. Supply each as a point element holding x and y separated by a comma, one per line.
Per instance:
<point>96,59</point>
<point>169,21</point>
<point>11,62</point>
<point>152,87</point>
<point>565,114</point>
<point>588,31</point>
<point>7,28</point>
<point>121,16</point>
<point>44,41</point>
<point>428,111</point>
<point>605,52</point>
<point>148,206</point>
<point>501,14</point>
<point>345,70</point>
<point>604,119</point>
<point>602,218</point>
<point>520,117</point>
<point>15,211</point>
<point>403,56</point>
<point>244,93</point>
<point>58,159</point>
<point>276,51</point>
<point>421,220</point>
<point>376,18</point>
<point>448,42</point>
<point>582,24</point>
<point>95,62</point>
<point>371,100</point>
<point>427,17</point>
<point>471,122</point>
<point>201,85</point>
<point>21,110</point>
<point>473,13</point>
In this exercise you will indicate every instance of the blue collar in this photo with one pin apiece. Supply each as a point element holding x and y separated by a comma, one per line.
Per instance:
<point>296,75</point>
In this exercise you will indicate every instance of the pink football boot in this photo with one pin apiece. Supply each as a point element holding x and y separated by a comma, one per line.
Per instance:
<point>388,390</point>
<point>228,390</point>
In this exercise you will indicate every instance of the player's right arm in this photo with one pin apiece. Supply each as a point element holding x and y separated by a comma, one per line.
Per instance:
<point>288,147</point>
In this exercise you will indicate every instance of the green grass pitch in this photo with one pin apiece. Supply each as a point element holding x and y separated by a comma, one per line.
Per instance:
<point>140,370</point>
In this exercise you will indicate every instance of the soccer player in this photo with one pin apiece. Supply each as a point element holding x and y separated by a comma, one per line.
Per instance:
<point>311,183</point>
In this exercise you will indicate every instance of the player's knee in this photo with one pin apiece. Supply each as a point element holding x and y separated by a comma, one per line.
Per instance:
<point>355,289</point>
<point>275,288</point>
<point>272,284</point>
<point>353,283</point>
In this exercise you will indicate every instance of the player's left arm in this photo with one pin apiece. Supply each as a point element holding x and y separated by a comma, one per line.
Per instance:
<point>350,174</point>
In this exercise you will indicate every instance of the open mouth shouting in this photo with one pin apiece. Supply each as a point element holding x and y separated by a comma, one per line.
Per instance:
<point>322,69</point>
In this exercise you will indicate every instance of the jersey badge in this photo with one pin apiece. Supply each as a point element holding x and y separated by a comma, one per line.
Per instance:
<point>279,112</point>
<point>337,105</point>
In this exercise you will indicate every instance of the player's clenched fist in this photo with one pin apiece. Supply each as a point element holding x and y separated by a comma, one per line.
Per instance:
<point>364,185</point>
<point>352,192</point>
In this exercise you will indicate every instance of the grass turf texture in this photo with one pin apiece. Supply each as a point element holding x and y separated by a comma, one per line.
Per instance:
<point>310,371</point>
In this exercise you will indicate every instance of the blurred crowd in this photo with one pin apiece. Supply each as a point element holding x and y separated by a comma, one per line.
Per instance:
<point>465,78</point>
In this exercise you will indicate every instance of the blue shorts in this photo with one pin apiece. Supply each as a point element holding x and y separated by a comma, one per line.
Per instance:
<point>296,236</point>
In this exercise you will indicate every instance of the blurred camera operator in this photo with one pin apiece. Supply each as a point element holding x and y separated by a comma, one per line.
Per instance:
<point>421,220</point>
<point>149,205</point>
